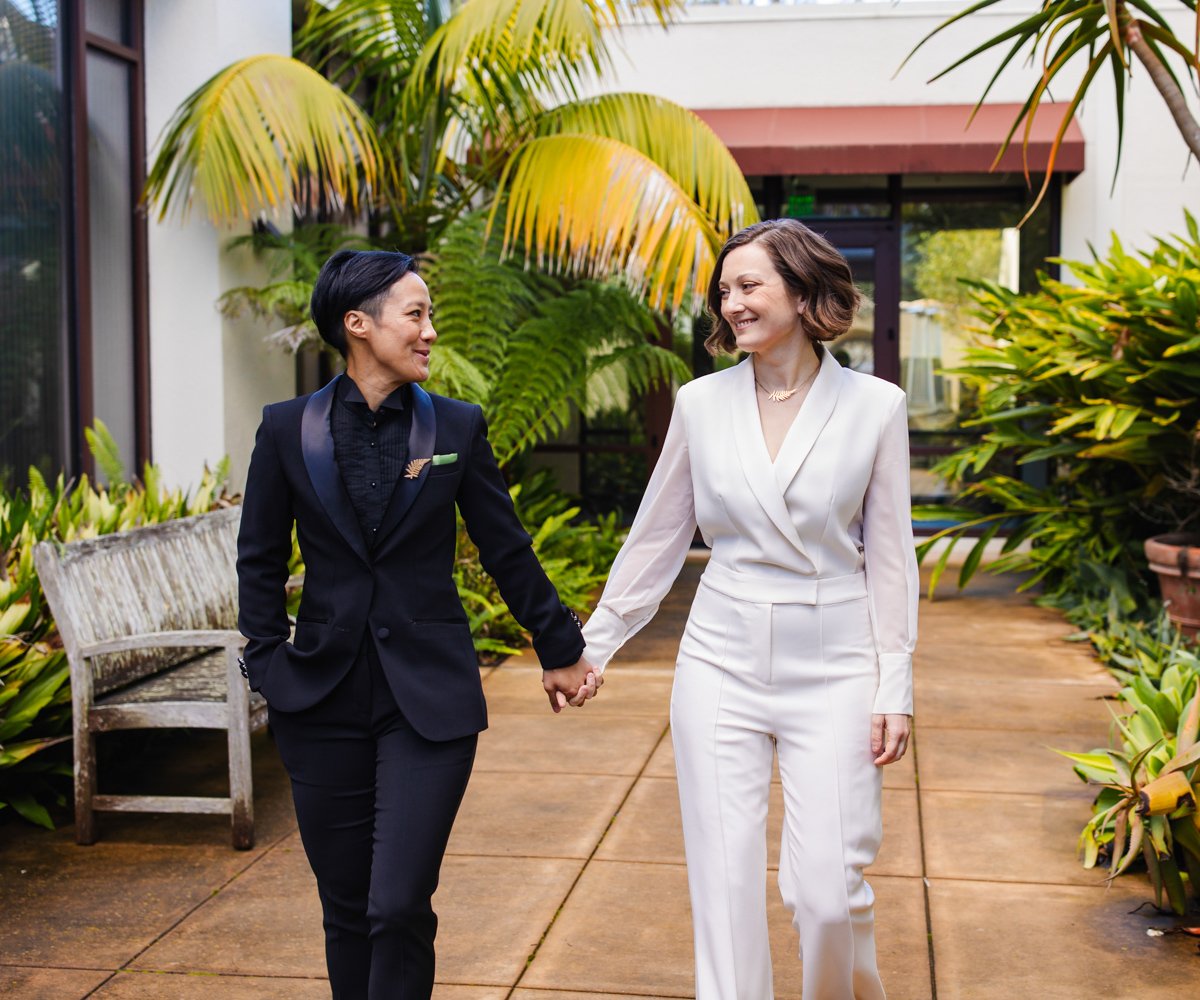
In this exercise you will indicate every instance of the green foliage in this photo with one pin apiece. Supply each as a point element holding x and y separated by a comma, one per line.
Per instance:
<point>1100,381</point>
<point>527,347</point>
<point>1138,816</point>
<point>35,696</point>
<point>293,260</point>
<point>943,256</point>
<point>576,556</point>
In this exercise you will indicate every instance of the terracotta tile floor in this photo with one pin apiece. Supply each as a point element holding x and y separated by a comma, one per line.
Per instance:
<point>565,877</point>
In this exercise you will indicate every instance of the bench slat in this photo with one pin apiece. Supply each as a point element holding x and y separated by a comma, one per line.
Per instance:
<point>162,804</point>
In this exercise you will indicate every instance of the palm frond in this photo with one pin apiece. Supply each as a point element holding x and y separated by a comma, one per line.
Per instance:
<point>675,138</point>
<point>596,207</point>
<point>529,45</point>
<point>264,133</point>
<point>361,39</point>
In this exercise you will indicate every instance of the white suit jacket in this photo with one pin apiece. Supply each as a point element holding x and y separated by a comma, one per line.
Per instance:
<point>834,503</point>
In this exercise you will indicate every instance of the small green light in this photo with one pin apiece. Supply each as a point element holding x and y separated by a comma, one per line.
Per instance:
<point>800,205</point>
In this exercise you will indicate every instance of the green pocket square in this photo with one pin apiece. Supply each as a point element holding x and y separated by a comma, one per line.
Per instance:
<point>445,459</point>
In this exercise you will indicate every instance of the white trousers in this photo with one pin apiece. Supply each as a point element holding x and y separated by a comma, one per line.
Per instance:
<point>753,679</point>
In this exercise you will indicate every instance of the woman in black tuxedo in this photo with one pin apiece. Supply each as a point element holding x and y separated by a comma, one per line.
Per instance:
<point>376,702</point>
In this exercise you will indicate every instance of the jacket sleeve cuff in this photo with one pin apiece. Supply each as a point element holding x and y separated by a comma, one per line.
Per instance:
<point>895,693</point>
<point>561,646</point>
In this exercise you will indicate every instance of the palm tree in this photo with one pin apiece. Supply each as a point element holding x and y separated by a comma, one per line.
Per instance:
<point>414,113</point>
<point>1103,31</point>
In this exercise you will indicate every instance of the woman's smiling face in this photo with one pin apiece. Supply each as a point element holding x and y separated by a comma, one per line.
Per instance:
<point>755,301</point>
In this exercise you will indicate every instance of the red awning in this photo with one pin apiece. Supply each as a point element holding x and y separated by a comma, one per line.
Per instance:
<point>899,139</point>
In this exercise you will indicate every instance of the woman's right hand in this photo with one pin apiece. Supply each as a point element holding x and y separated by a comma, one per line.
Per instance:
<point>889,737</point>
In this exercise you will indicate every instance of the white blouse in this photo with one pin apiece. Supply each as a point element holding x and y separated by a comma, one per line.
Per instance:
<point>834,503</point>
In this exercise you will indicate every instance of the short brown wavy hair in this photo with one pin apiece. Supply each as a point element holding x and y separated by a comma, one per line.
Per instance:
<point>811,267</point>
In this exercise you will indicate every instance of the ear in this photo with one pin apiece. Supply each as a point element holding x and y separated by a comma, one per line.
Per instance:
<point>357,324</point>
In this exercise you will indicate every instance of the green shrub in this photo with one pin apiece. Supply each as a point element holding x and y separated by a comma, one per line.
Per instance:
<point>35,696</point>
<point>1101,380</point>
<point>1138,816</point>
<point>576,556</point>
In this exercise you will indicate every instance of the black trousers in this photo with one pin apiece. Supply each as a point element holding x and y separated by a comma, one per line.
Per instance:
<point>375,802</point>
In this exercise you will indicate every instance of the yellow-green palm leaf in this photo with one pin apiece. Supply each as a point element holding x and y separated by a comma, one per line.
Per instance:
<point>263,133</point>
<point>547,41</point>
<point>675,138</point>
<point>595,206</point>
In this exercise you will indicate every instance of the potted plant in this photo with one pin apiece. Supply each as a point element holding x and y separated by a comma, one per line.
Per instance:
<point>1175,559</point>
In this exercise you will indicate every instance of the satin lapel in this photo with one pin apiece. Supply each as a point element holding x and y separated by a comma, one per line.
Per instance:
<point>316,444</point>
<point>421,437</point>
<point>814,414</point>
<point>752,452</point>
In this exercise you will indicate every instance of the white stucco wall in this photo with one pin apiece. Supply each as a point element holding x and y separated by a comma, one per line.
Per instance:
<point>209,377</point>
<point>837,55</point>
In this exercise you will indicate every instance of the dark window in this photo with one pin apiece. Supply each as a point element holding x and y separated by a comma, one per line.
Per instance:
<point>33,272</point>
<point>72,243</point>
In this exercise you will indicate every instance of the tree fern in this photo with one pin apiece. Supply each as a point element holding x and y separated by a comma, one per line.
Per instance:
<point>478,299</point>
<point>550,358</point>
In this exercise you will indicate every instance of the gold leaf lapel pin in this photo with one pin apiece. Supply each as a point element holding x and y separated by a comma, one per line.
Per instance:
<point>413,469</point>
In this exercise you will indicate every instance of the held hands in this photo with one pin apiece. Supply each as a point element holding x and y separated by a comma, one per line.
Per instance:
<point>571,685</point>
<point>889,737</point>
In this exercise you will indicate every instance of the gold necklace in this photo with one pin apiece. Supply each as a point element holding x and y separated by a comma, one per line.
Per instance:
<point>781,395</point>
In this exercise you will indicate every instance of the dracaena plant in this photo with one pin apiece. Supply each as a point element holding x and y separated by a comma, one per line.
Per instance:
<point>1100,380</point>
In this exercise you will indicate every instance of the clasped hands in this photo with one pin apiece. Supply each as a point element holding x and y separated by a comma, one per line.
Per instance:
<point>571,685</point>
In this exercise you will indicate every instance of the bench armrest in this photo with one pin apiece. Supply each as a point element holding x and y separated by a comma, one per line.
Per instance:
<point>199,639</point>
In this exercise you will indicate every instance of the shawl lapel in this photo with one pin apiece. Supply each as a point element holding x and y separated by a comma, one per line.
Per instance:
<point>421,437</point>
<point>316,444</point>
<point>752,452</point>
<point>814,414</point>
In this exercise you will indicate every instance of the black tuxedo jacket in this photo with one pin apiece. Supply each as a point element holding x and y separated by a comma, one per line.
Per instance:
<point>399,591</point>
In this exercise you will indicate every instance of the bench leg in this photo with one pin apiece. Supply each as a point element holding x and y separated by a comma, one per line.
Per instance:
<point>85,786</point>
<point>241,784</point>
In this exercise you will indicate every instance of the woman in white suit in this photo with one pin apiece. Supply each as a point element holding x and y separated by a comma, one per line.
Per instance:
<point>801,634</point>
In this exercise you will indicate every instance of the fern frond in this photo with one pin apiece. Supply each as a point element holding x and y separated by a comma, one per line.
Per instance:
<point>614,376</point>
<point>105,451</point>
<point>451,374</point>
<point>478,299</point>
<point>548,361</point>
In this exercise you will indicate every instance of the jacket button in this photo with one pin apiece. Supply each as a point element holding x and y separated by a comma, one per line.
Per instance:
<point>383,633</point>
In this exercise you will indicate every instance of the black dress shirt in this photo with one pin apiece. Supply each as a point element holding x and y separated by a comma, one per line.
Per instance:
<point>371,449</point>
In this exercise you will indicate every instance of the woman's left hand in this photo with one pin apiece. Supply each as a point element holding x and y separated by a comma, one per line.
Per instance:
<point>889,737</point>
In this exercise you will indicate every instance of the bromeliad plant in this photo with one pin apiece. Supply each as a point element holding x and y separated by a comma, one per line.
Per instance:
<point>1146,809</point>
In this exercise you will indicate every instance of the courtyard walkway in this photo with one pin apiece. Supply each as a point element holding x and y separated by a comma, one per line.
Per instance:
<point>565,878</point>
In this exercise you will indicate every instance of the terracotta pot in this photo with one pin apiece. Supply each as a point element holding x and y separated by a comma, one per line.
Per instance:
<point>1176,560</point>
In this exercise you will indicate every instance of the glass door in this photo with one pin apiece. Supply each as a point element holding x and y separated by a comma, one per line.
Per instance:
<point>872,344</point>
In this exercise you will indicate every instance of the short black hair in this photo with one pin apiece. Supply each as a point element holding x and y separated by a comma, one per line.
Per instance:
<point>354,279</point>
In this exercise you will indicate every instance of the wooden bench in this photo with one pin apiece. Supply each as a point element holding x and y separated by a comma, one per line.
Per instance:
<point>148,618</point>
